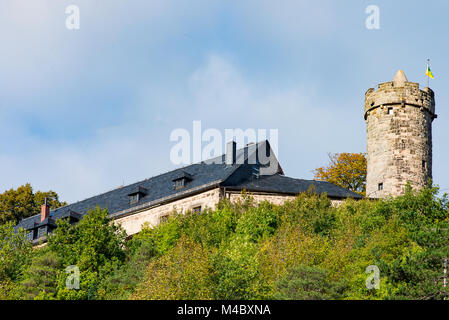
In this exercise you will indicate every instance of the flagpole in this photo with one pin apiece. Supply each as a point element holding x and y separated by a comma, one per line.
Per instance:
<point>428,77</point>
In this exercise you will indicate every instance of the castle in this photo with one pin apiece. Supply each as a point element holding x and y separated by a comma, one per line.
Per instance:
<point>399,120</point>
<point>399,145</point>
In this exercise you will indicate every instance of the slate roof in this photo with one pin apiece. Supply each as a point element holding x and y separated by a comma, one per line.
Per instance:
<point>200,176</point>
<point>157,187</point>
<point>213,171</point>
<point>282,184</point>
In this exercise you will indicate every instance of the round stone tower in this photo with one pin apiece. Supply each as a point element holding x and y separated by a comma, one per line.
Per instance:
<point>398,118</point>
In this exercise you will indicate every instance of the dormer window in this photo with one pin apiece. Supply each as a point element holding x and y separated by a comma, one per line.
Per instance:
<point>137,194</point>
<point>41,232</point>
<point>180,179</point>
<point>180,183</point>
<point>133,199</point>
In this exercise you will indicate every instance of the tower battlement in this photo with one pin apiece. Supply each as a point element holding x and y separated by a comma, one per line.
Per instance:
<point>399,118</point>
<point>408,94</point>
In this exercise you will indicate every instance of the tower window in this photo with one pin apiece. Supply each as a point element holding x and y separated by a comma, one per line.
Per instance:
<point>381,186</point>
<point>424,165</point>
<point>390,110</point>
<point>197,210</point>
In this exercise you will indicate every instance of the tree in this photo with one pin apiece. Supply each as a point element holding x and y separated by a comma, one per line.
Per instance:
<point>347,170</point>
<point>182,273</point>
<point>39,279</point>
<point>23,202</point>
<point>308,283</point>
<point>15,254</point>
<point>95,245</point>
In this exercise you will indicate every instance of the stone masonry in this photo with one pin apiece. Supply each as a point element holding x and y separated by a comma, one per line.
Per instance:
<point>399,136</point>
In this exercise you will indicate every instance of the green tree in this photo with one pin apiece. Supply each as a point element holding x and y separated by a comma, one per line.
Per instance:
<point>40,278</point>
<point>308,283</point>
<point>16,204</point>
<point>15,255</point>
<point>121,283</point>
<point>95,245</point>
<point>182,273</point>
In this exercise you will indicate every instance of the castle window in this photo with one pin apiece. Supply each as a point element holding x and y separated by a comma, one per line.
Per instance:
<point>390,110</point>
<point>197,210</point>
<point>41,232</point>
<point>180,179</point>
<point>179,184</point>
<point>163,219</point>
<point>136,194</point>
<point>424,165</point>
<point>381,186</point>
<point>134,199</point>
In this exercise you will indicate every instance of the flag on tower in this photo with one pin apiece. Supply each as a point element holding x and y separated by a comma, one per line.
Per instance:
<point>429,72</point>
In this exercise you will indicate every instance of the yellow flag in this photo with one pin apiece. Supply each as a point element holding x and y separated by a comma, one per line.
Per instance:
<point>429,73</point>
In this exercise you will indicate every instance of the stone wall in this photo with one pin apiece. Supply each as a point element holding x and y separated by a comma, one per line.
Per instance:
<point>133,223</point>
<point>399,138</point>
<point>275,199</point>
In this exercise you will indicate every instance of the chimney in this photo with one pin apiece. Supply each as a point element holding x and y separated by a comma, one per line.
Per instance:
<point>231,150</point>
<point>45,211</point>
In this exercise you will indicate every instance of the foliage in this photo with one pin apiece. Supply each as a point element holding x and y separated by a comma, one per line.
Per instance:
<point>308,283</point>
<point>93,244</point>
<point>347,170</point>
<point>23,202</point>
<point>306,248</point>
<point>182,273</point>
<point>39,279</point>
<point>15,255</point>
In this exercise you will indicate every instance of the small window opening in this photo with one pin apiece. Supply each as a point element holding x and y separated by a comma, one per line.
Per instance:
<point>133,199</point>
<point>424,165</point>
<point>41,232</point>
<point>390,110</point>
<point>197,210</point>
<point>179,184</point>
<point>163,219</point>
<point>381,186</point>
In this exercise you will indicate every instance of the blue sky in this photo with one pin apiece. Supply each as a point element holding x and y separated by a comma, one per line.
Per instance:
<point>85,111</point>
